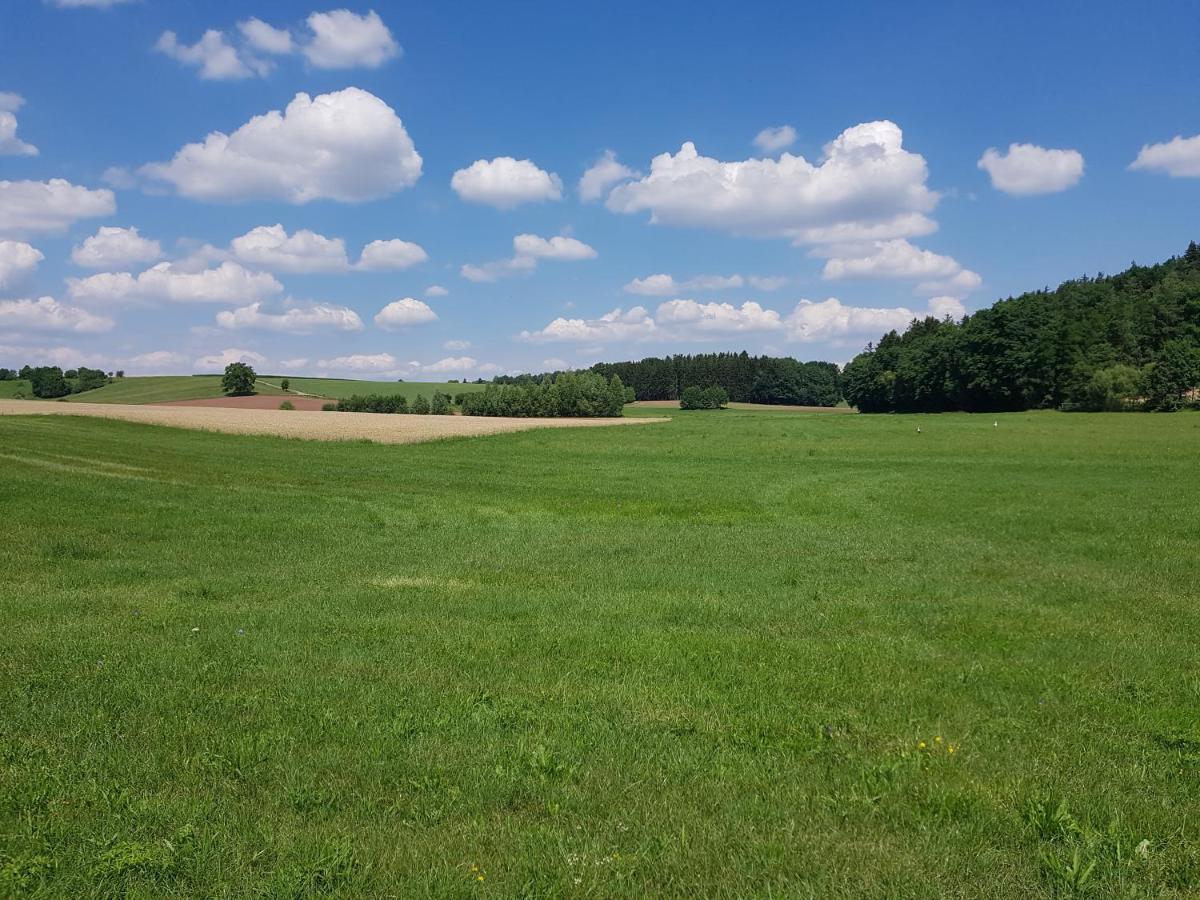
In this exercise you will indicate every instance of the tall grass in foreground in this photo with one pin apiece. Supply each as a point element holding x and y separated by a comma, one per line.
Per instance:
<point>738,654</point>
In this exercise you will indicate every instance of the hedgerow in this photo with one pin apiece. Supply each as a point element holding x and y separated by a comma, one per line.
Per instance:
<point>566,395</point>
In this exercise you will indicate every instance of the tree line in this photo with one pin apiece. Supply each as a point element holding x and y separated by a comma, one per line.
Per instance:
<point>563,395</point>
<point>51,382</point>
<point>1126,341</point>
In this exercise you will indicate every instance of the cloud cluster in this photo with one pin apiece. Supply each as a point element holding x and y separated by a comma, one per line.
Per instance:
<point>338,39</point>
<point>33,207</point>
<point>347,145</point>
<point>663,285</point>
<point>270,247</point>
<point>866,187</point>
<point>898,259</point>
<point>175,283</point>
<point>111,248</point>
<point>505,183</point>
<point>217,362</point>
<point>388,366</point>
<point>603,174</point>
<point>1029,169</point>
<point>402,313</point>
<point>47,314</point>
<point>772,140</point>
<point>528,250</point>
<point>298,319</point>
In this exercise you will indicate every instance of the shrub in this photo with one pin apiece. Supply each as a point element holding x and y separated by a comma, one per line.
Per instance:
<point>285,385</point>
<point>713,397</point>
<point>48,382</point>
<point>8,375</point>
<point>440,406</point>
<point>373,403</point>
<point>90,379</point>
<point>691,398</point>
<point>420,406</point>
<point>329,407</point>
<point>630,395</point>
<point>568,394</point>
<point>238,379</point>
<point>287,404</point>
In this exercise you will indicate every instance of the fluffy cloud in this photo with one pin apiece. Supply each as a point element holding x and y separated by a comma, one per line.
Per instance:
<point>867,183</point>
<point>1029,169</point>
<point>619,325</point>
<point>10,144</point>
<point>343,40</point>
<point>401,313</point>
<point>264,38</point>
<point>771,140</point>
<point>716,317</point>
<point>361,362</point>
<point>216,58</point>
<point>227,283</point>
<point>47,314</point>
<point>28,207</point>
<point>348,145</point>
<point>831,320</point>
<point>392,254</point>
<point>436,290</point>
<point>452,365</point>
<point>505,182</point>
<point>271,247</point>
<point>1178,157</point>
<point>17,259</point>
<point>662,285</point>
<point>295,320</point>
<point>901,260</point>
<point>528,249</point>
<point>602,175</point>
<point>111,248</point>
<point>218,361</point>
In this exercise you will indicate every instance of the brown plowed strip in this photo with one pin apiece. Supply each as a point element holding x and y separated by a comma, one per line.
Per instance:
<point>258,401</point>
<point>320,426</point>
<point>674,404</point>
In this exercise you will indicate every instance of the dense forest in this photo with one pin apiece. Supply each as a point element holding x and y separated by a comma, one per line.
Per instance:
<point>744,378</point>
<point>1127,341</point>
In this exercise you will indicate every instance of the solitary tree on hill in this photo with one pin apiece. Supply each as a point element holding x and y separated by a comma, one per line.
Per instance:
<point>238,379</point>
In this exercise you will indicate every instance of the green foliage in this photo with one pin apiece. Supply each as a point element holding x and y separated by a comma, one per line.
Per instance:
<point>373,403</point>
<point>329,407</point>
<point>238,379</point>
<point>568,394</point>
<point>1084,345</point>
<point>47,382</point>
<point>745,378</point>
<point>90,379</point>
<point>420,406</point>
<point>8,374</point>
<point>285,385</point>
<point>712,397</point>
<point>287,404</point>
<point>440,405</point>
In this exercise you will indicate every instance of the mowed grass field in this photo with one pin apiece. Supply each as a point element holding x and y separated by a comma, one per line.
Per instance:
<point>339,388</point>
<point>161,389</point>
<point>739,654</point>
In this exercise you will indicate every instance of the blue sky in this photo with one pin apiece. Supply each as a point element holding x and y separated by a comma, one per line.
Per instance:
<point>873,198</point>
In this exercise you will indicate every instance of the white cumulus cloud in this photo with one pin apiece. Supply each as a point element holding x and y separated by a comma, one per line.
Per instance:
<point>212,54</point>
<point>361,362</point>
<point>17,259</point>
<point>401,313</point>
<point>218,361</point>
<point>47,314</point>
<point>505,183</point>
<point>619,325</point>
<point>29,207</point>
<point>663,285</point>
<point>603,174</point>
<point>867,183</point>
<point>1029,169</point>
<point>899,259</point>
<point>265,38</point>
<point>391,254</point>
<point>347,145</point>
<point>227,283</point>
<point>436,290</point>
<point>771,140</point>
<point>112,247</point>
<point>271,247</point>
<point>10,144</point>
<point>723,318</point>
<point>299,319</point>
<point>343,40</point>
<point>1178,157</point>
<point>528,249</point>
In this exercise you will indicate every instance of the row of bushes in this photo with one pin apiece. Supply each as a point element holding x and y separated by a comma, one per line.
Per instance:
<point>714,397</point>
<point>50,382</point>
<point>566,395</point>
<point>394,404</point>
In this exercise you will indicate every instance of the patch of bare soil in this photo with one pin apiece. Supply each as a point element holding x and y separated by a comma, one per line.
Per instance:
<point>319,426</point>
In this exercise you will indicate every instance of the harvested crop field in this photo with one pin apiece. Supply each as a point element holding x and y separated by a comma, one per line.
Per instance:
<point>257,401</point>
<point>320,426</point>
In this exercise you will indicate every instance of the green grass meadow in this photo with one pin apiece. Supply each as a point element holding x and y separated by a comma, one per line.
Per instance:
<point>160,389</point>
<point>739,654</point>
<point>340,388</point>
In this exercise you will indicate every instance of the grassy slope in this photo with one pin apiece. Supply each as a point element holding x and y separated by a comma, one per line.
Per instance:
<point>8,388</point>
<point>695,659</point>
<point>160,389</point>
<point>339,387</point>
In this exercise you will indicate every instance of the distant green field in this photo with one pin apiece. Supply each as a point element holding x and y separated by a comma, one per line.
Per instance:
<point>160,389</point>
<point>9,388</point>
<point>338,388</point>
<point>741,654</point>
